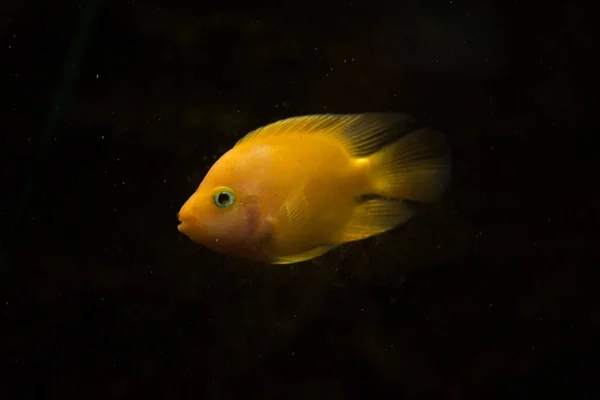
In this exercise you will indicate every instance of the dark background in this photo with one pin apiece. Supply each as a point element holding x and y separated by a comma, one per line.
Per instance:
<point>111,113</point>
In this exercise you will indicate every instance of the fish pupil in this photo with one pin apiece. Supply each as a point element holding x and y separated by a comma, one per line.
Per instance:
<point>223,198</point>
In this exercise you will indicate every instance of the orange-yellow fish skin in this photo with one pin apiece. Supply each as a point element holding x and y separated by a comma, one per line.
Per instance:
<point>263,177</point>
<point>293,192</point>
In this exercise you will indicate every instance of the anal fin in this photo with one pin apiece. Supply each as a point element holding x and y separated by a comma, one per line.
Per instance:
<point>304,256</point>
<point>376,216</point>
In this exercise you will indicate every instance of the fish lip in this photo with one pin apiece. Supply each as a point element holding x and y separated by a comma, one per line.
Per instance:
<point>181,225</point>
<point>186,223</point>
<point>187,219</point>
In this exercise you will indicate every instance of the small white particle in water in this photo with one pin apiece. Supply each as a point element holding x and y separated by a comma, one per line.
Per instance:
<point>164,181</point>
<point>217,240</point>
<point>102,137</point>
<point>97,76</point>
<point>293,352</point>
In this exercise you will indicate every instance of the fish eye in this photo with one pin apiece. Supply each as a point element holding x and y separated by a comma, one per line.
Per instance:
<point>223,197</point>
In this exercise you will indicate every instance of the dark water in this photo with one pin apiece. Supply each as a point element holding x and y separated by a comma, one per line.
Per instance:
<point>112,112</point>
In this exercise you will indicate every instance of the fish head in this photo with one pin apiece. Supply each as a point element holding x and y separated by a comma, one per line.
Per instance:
<point>225,213</point>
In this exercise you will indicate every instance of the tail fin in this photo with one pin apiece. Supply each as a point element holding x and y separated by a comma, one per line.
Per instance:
<point>416,167</point>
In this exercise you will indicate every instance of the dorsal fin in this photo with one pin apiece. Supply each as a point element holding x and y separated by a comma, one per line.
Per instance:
<point>360,134</point>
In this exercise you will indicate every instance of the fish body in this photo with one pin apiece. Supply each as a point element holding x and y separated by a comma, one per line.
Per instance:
<point>296,188</point>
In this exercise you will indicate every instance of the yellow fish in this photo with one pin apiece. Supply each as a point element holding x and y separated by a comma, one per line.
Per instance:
<point>294,189</point>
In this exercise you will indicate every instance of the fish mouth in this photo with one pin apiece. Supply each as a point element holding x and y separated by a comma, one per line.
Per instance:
<point>187,224</point>
<point>183,223</point>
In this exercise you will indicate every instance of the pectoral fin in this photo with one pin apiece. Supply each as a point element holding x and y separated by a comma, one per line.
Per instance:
<point>296,209</point>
